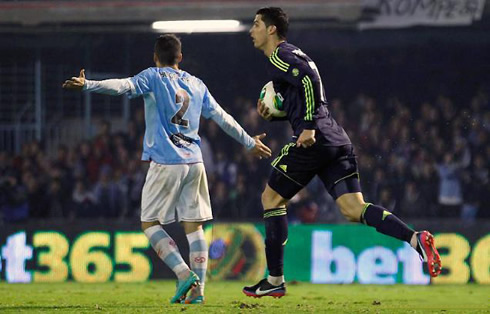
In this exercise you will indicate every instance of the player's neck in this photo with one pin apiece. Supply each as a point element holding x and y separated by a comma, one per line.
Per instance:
<point>271,46</point>
<point>174,66</point>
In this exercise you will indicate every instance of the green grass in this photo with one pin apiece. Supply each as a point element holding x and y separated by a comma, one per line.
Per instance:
<point>226,297</point>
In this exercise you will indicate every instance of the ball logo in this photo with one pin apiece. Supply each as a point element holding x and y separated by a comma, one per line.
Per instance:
<point>200,259</point>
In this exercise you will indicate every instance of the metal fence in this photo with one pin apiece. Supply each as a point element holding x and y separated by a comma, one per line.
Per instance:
<point>33,106</point>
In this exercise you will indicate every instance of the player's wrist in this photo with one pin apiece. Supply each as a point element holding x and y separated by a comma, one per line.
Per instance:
<point>86,84</point>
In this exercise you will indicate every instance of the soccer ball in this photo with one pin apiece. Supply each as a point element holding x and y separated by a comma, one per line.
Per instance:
<point>272,100</point>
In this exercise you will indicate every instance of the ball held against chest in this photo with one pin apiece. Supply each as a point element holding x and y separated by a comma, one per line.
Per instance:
<point>272,100</point>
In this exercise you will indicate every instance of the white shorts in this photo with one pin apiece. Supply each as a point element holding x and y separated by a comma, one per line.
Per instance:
<point>170,189</point>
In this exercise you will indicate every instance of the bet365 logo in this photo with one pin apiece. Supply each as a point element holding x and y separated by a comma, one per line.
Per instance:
<point>374,265</point>
<point>95,256</point>
<point>382,265</point>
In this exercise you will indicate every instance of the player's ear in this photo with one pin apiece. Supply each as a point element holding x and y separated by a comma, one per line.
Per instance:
<point>180,57</point>
<point>155,58</point>
<point>271,29</point>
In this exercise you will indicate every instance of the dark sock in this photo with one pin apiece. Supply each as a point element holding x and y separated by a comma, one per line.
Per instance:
<point>276,235</point>
<point>385,222</point>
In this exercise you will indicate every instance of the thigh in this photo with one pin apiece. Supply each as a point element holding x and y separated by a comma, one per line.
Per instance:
<point>341,175</point>
<point>292,170</point>
<point>161,192</point>
<point>194,204</point>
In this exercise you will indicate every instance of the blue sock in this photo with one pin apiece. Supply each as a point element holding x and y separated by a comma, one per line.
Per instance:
<point>167,250</point>
<point>198,256</point>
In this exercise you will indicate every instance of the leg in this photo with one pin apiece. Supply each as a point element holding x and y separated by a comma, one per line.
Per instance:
<point>193,209</point>
<point>354,208</point>
<point>198,257</point>
<point>276,233</point>
<point>276,236</point>
<point>165,248</point>
<point>341,179</point>
<point>293,169</point>
<point>159,197</point>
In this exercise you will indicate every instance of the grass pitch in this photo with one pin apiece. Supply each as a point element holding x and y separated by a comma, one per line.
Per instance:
<point>226,297</point>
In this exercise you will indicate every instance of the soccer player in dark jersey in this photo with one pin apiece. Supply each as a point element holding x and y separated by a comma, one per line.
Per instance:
<point>319,147</point>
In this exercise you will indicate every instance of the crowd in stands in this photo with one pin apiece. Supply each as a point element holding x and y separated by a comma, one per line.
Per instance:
<point>430,159</point>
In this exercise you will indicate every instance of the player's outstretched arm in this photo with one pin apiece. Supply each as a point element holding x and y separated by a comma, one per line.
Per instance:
<point>260,149</point>
<point>228,124</point>
<point>108,87</point>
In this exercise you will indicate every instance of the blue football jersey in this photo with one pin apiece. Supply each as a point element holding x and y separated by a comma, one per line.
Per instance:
<point>174,102</point>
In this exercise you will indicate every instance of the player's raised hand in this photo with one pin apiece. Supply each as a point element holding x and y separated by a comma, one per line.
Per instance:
<point>263,110</point>
<point>75,83</point>
<point>260,150</point>
<point>306,138</point>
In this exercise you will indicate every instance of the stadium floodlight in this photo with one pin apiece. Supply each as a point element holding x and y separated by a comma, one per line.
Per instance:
<point>198,26</point>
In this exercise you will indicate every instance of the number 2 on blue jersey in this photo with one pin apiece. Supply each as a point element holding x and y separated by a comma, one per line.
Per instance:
<point>182,98</point>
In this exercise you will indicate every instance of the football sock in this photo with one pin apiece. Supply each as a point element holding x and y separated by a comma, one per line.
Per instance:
<point>276,236</point>
<point>385,222</point>
<point>198,256</point>
<point>275,280</point>
<point>167,250</point>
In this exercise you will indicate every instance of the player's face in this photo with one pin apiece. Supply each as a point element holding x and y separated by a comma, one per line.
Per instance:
<point>258,32</point>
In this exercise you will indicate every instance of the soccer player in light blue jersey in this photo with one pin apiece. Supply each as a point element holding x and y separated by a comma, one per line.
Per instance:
<point>176,180</point>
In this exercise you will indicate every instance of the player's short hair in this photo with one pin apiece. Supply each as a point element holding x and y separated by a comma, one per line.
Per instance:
<point>277,17</point>
<point>167,48</point>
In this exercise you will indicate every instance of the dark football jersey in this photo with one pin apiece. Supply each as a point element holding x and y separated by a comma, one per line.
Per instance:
<point>297,80</point>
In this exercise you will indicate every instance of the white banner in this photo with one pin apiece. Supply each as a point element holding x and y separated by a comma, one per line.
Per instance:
<point>406,13</point>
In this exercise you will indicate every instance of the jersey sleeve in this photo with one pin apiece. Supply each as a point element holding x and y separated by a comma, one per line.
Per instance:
<point>296,71</point>
<point>141,83</point>
<point>209,104</point>
<point>211,109</point>
<point>108,87</point>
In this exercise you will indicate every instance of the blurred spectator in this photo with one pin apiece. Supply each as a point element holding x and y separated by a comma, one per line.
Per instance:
<point>36,195</point>
<point>450,188</point>
<point>387,200</point>
<point>14,204</point>
<point>58,202</point>
<point>108,195</point>
<point>398,145</point>
<point>476,187</point>
<point>83,201</point>
<point>412,202</point>
<point>136,180</point>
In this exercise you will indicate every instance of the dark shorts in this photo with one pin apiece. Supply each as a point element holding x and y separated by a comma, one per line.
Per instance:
<point>295,166</point>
